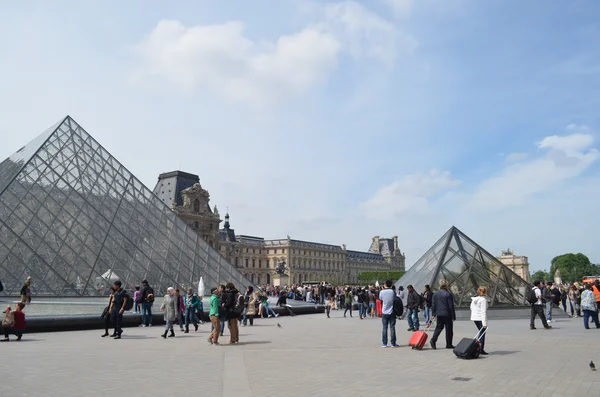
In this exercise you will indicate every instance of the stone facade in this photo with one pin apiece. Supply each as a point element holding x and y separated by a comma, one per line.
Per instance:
<point>257,258</point>
<point>518,264</point>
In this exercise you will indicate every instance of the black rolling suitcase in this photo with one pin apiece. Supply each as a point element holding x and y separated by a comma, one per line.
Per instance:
<point>468,348</point>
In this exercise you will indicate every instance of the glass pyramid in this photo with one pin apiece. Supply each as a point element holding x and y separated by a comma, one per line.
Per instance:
<point>466,266</point>
<point>75,220</point>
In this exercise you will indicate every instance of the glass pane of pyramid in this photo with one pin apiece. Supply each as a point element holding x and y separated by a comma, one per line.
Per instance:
<point>75,220</point>
<point>466,266</point>
<point>423,271</point>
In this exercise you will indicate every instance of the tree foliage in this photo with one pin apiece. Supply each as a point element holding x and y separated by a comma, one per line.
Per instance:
<point>380,276</point>
<point>573,267</point>
<point>541,275</point>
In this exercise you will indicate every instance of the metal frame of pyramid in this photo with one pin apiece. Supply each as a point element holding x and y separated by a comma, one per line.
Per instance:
<point>70,214</point>
<point>466,266</point>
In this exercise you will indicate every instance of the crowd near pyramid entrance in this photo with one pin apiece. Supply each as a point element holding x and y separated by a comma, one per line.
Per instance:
<point>75,219</point>
<point>465,266</point>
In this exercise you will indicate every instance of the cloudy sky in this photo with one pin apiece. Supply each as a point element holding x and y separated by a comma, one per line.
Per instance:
<point>334,121</point>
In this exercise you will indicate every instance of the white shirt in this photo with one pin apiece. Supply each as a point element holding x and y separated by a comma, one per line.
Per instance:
<point>538,294</point>
<point>387,301</point>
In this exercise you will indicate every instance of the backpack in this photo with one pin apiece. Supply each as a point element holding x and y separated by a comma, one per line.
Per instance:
<point>150,295</point>
<point>531,298</point>
<point>8,320</point>
<point>398,306</point>
<point>129,303</point>
<point>240,304</point>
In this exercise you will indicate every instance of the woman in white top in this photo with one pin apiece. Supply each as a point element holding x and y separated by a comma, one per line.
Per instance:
<point>479,314</point>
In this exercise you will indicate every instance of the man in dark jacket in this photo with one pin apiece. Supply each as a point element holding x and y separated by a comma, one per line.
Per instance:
<point>231,300</point>
<point>147,299</point>
<point>442,307</point>
<point>412,304</point>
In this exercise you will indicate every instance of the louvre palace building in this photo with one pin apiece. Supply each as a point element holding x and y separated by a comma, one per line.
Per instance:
<point>255,257</point>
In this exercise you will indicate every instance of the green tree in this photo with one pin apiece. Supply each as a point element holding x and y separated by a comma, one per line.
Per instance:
<point>541,275</point>
<point>573,267</point>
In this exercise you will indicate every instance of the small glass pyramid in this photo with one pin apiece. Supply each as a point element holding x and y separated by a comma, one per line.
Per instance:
<point>76,220</point>
<point>466,266</point>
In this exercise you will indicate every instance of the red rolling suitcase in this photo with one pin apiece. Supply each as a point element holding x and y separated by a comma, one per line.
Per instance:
<point>419,338</point>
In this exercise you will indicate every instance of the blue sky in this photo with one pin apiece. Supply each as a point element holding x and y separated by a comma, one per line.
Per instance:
<point>334,120</point>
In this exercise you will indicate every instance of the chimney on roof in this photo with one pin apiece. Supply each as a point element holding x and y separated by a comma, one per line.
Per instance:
<point>344,247</point>
<point>376,244</point>
<point>396,249</point>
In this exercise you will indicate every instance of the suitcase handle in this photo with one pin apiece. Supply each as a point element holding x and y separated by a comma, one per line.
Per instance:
<point>478,336</point>
<point>428,326</point>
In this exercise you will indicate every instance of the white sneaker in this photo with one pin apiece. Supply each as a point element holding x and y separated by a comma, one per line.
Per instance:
<point>276,315</point>
<point>270,315</point>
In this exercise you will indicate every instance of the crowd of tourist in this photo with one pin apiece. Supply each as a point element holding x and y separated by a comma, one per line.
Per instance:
<point>229,305</point>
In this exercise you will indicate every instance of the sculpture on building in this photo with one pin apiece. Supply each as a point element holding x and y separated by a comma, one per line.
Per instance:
<point>281,268</point>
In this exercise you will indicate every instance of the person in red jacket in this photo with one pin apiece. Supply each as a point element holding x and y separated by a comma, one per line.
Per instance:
<point>18,327</point>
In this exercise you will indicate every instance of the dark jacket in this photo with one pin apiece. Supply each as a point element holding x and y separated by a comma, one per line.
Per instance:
<point>146,289</point>
<point>556,296</point>
<point>413,300</point>
<point>442,304</point>
<point>427,298</point>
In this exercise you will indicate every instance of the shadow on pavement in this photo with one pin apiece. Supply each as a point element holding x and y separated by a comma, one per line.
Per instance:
<point>504,352</point>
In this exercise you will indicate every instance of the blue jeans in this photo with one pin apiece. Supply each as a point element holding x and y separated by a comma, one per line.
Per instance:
<point>586,318</point>
<point>362,310</point>
<point>388,319</point>
<point>269,310</point>
<point>190,316</point>
<point>413,318</point>
<point>549,310</point>
<point>427,314</point>
<point>180,320</point>
<point>146,313</point>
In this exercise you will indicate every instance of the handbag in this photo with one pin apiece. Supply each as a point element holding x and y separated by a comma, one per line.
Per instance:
<point>8,320</point>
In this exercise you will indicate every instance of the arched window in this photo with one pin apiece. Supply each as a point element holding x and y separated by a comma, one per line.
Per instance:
<point>258,279</point>
<point>197,206</point>
<point>268,279</point>
<point>195,225</point>
<point>299,279</point>
<point>252,277</point>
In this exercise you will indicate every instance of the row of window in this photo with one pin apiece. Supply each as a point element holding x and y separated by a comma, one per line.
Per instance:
<point>296,252</point>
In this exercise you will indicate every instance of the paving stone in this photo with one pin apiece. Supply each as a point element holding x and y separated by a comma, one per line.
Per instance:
<point>310,355</point>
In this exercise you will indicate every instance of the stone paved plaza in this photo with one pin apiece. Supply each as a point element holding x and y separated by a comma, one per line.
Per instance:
<point>309,356</point>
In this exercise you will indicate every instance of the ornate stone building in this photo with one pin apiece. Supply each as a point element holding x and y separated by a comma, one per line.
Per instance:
<point>518,264</point>
<point>186,197</point>
<point>256,257</point>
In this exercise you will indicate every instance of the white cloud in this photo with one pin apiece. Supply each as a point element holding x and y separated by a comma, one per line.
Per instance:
<point>409,195</point>
<point>223,59</point>
<point>401,8</point>
<point>566,158</point>
<point>364,33</point>
<point>569,143</point>
<point>516,157</point>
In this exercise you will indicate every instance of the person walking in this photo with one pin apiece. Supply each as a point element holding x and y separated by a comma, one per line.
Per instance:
<point>136,300</point>
<point>563,297</point>
<point>106,313</point>
<point>213,314</point>
<point>191,302</point>
<point>250,311</point>
<point>348,301</point>
<point>548,298</point>
<point>537,308</point>
<point>26,291</point>
<point>232,316</point>
<point>427,297</point>
<point>412,304</point>
<point>442,308</point>
<point>388,318</point>
<point>574,300</point>
<point>588,305</point>
<point>147,300</point>
<point>180,308</point>
<point>169,308</point>
<point>118,308</point>
<point>479,306</point>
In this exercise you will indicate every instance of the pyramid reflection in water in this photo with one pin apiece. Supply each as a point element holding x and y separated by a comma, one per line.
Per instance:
<point>74,218</point>
<point>466,266</point>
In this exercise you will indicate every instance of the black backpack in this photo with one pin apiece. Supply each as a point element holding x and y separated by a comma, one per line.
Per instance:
<point>531,298</point>
<point>240,304</point>
<point>398,307</point>
<point>129,303</point>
